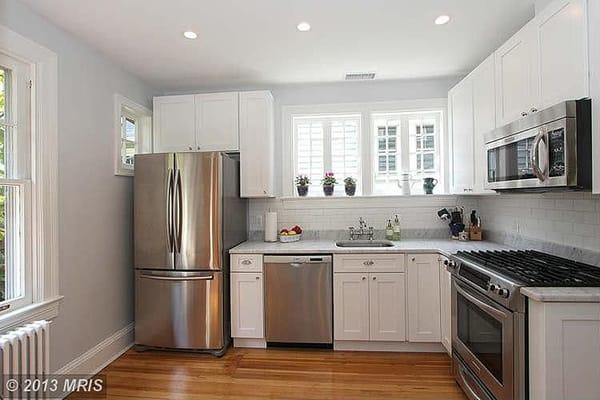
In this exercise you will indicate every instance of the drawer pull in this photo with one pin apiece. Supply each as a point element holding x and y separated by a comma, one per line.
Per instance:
<point>368,262</point>
<point>246,262</point>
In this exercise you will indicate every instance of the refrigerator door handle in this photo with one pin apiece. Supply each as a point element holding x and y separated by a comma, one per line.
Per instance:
<point>169,211</point>
<point>178,210</point>
<point>177,278</point>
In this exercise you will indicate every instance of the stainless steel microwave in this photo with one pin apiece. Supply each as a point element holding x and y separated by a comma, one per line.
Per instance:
<point>550,149</point>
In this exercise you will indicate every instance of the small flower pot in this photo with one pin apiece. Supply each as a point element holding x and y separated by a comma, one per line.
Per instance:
<point>350,190</point>
<point>328,190</point>
<point>302,191</point>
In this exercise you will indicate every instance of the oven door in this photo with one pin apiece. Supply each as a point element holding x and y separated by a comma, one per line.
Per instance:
<point>482,335</point>
<point>536,158</point>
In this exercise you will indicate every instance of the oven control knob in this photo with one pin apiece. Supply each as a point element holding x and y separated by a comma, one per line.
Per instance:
<point>493,288</point>
<point>503,293</point>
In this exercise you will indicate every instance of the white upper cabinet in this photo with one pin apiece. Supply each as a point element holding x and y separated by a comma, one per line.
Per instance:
<point>517,75</point>
<point>174,126</point>
<point>563,41</point>
<point>484,118</point>
<point>217,121</point>
<point>201,122</point>
<point>460,100</point>
<point>257,138</point>
<point>424,298</point>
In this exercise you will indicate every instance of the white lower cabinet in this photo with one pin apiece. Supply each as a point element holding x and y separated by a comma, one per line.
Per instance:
<point>350,306</point>
<point>423,302</point>
<point>564,349</point>
<point>445,305</point>
<point>247,311</point>
<point>369,306</point>
<point>387,307</point>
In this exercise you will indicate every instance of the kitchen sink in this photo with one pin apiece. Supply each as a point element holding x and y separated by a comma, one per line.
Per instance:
<point>365,243</point>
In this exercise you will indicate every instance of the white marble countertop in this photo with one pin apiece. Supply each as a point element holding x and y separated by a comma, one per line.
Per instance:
<point>563,294</point>
<point>442,246</point>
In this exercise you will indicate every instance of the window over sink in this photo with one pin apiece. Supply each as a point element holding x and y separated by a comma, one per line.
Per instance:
<point>381,145</point>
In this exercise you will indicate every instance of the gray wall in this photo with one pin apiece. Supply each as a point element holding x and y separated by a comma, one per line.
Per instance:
<point>95,206</point>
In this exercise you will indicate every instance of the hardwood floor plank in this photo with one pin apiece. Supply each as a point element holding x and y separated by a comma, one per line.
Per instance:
<point>244,374</point>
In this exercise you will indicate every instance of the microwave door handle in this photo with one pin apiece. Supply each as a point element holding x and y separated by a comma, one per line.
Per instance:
<point>486,307</point>
<point>534,156</point>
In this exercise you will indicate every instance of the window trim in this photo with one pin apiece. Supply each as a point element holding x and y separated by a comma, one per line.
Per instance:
<point>44,196</point>
<point>367,143</point>
<point>143,140</point>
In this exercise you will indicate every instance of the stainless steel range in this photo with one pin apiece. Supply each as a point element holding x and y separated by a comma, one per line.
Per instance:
<point>489,315</point>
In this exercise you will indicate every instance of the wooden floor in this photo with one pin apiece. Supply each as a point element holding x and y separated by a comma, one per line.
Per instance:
<point>281,374</point>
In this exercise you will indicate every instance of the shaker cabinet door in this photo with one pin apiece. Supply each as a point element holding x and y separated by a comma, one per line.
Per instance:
<point>387,307</point>
<point>351,306</point>
<point>423,298</point>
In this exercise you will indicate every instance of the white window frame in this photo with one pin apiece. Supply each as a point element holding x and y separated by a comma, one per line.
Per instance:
<point>143,140</point>
<point>288,151</point>
<point>327,156</point>
<point>42,208</point>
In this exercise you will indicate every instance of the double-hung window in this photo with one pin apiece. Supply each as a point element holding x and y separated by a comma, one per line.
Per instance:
<point>15,183</point>
<point>133,133</point>
<point>327,143</point>
<point>405,144</point>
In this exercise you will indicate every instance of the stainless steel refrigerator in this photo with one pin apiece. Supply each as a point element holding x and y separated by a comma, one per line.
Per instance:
<point>187,215</point>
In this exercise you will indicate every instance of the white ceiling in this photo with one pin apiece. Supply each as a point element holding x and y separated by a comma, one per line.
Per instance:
<point>255,42</point>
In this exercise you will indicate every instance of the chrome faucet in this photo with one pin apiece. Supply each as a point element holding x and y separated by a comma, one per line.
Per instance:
<point>362,231</point>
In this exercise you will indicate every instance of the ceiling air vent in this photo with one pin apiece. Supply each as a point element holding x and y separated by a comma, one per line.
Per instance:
<point>360,76</point>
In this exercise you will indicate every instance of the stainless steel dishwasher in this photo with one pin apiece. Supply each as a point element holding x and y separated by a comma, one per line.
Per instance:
<point>299,300</point>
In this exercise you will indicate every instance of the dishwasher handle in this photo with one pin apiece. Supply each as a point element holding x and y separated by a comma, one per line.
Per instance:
<point>296,261</point>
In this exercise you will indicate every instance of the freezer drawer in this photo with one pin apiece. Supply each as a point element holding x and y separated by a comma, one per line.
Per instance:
<point>182,310</point>
<point>298,299</point>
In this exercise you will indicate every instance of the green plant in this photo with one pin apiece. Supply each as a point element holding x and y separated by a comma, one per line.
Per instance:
<point>350,181</point>
<point>328,179</point>
<point>302,180</point>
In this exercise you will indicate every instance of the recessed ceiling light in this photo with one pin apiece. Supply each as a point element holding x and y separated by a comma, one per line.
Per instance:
<point>190,35</point>
<point>442,20</point>
<point>303,27</point>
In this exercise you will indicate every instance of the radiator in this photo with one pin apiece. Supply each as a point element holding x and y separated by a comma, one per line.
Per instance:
<point>25,353</point>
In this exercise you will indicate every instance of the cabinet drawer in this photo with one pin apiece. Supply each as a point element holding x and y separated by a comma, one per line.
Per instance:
<point>368,263</point>
<point>246,262</point>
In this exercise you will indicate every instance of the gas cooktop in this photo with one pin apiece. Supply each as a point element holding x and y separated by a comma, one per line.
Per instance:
<point>533,268</point>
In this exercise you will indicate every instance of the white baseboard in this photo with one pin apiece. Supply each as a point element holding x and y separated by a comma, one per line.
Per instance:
<point>402,347</point>
<point>95,359</point>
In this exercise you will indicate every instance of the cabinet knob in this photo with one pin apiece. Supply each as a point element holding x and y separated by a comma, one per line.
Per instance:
<point>374,278</point>
<point>413,259</point>
<point>258,278</point>
<point>534,110</point>
<point>364,278</point>
<point>524,114</point>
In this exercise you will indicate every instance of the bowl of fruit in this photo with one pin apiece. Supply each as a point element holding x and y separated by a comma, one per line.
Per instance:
<point>290,235</point>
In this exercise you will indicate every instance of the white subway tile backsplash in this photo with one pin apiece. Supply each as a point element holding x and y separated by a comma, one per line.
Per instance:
<point>569,218</point>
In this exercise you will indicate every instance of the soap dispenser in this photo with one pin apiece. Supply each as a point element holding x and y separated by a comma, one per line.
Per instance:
<point>389,230</point>
<point>396,228</point>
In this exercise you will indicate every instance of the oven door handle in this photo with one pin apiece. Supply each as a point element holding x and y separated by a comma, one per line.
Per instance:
<point>467,386</point>
<point>491,310</point>
<point>534,156</point>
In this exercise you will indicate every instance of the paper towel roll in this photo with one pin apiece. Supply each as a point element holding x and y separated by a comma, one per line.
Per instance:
<point>270,227</point>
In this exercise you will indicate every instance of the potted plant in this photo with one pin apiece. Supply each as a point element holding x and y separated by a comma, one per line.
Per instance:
<point>328,183</point>
<point>350,186</point>
<point>302,182</point>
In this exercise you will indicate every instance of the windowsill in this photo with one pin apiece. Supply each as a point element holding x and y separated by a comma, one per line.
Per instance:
<point>375,196</point>
<point>46,309</point>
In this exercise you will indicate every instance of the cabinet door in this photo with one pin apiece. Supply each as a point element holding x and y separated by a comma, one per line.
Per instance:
<point>484,118</point>
<point>350,306</point>
<point>423,298</point>
<point>257,144</point>
<point>563,38</point>
<point>517,75</point>
<point>446,306</point>
<point>247,305</point>
<point>174,126</point>
<point>217,122</point>
<point>461,100</point>
<point>387,307</point>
